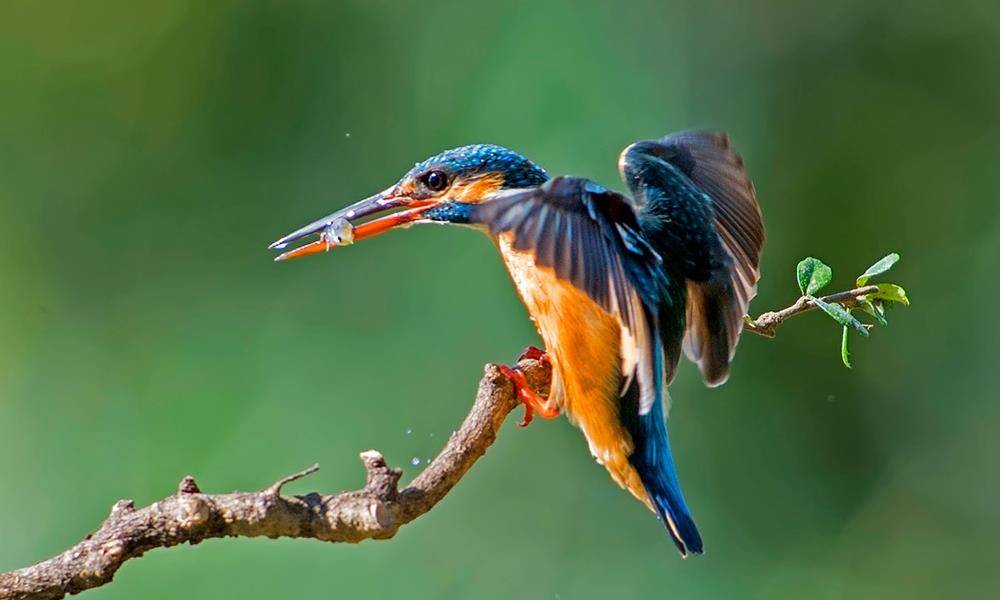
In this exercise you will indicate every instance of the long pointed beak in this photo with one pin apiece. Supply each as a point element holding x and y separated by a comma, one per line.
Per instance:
<point>337,229</point>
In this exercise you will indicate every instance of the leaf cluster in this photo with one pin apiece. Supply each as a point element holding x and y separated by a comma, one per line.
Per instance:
<point>813,275</point>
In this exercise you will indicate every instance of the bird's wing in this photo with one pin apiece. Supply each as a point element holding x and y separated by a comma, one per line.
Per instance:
<point>589,236</point>
<point>699,210</point>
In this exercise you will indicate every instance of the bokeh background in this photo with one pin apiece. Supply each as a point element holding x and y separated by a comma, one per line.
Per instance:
<point>150,151</point>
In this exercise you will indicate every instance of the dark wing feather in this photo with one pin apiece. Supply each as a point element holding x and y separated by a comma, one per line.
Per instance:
<point>710,162</point>
<point>699,210</point>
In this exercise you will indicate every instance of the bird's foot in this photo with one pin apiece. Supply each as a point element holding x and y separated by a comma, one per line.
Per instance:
<point>533,402</point>
<point>534,353</point>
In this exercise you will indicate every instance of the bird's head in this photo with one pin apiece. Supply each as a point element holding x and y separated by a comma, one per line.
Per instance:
<point>443,188</point>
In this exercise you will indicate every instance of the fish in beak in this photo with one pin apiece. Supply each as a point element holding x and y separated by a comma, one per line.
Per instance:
<point>339,228</point>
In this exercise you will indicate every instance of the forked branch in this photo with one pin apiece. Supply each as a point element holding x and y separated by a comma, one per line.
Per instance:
<point>766,323</point>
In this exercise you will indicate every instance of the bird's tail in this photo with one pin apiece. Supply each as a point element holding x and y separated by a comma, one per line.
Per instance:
<point>654,463</point>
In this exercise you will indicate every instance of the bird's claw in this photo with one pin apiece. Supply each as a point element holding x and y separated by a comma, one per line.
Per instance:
<point>534,353</point>
<point>529,416</point>
<point>533,403</point>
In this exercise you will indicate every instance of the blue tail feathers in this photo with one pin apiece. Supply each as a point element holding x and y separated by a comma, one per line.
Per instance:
<point>654,464</point>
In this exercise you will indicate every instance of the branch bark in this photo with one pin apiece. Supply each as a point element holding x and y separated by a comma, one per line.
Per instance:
<point>376,511</point>
<point>766,323</point>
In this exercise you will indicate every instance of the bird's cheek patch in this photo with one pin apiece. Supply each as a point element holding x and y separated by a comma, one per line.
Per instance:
<point>477,189</point>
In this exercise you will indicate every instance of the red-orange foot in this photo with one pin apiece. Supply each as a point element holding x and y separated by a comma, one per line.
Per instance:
<point>534,353</point>
<point>532,402</point>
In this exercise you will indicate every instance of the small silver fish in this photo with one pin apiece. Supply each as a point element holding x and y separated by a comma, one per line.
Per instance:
<point>338,233</point>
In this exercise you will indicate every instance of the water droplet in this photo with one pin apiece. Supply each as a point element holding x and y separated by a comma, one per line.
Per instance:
<point>347,135</point>
<point>415,461</point>
<point>432,435</point>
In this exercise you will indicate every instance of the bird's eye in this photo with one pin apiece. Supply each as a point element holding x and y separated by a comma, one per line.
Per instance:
<point>435,180</point>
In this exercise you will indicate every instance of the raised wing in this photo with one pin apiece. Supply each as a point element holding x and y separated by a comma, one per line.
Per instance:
<point>699,211</point>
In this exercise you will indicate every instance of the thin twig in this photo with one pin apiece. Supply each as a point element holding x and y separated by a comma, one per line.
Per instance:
<point>276,488</point>
<point>376,511</point>
<point>766,323</point>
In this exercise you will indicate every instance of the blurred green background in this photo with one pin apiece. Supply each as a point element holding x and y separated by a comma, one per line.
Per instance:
<point>150,151</point>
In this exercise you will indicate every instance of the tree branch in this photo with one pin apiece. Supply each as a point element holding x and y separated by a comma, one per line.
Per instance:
<point>376,511</point>
<point>766,323</point>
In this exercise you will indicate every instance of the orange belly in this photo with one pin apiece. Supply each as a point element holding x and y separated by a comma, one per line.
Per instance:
<point>583,342</point>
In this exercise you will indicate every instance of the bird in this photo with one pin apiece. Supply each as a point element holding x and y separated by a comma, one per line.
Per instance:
<point>618,286</point>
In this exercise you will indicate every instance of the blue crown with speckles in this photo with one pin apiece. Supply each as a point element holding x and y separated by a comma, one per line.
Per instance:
<point>517,170</point>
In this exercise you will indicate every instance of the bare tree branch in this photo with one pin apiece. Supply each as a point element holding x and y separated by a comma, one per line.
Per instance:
<point>376,511</point>
<point>766,323</point>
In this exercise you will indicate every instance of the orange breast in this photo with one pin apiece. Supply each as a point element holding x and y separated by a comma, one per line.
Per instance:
<point>583,342</point>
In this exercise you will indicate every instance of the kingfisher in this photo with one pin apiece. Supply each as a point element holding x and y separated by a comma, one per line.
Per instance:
<point>618,287</point>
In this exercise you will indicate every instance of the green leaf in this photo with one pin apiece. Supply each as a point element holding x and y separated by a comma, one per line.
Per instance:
<point>813,275</point>
<point>891,292</point>
<point>841,315</point>
<point>844,354</point>
<point>878,268</point>
<point>875,310</point>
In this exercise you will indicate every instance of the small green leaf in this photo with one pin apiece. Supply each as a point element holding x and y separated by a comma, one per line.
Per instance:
<point>841,315</point>
<point>844,354</point>
<point>878,268</point>
<point>891,292</point>
<point>875,310</point>
<point>812,275</point>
